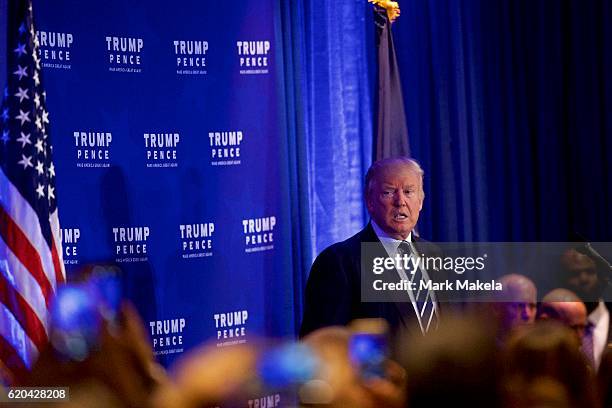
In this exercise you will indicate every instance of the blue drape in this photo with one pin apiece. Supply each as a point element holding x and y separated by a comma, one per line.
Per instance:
<point>329,121</point>
<point>509,111</point>
<point>327,94</point>
<point>339,117</point>
<point>509,108</point>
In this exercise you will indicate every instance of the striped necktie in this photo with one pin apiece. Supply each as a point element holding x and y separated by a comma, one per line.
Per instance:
<point>423,298</point>
<point>587,344</point>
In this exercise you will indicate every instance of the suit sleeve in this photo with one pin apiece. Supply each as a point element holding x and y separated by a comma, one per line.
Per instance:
<point>328,299</point>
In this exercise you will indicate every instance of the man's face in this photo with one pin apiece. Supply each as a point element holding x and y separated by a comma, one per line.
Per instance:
<point>519,297</point>
<point>581,275</point>
<point>395,200</point>
<point>518,313</point>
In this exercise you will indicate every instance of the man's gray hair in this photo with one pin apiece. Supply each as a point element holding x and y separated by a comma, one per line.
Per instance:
<point>379,165</point>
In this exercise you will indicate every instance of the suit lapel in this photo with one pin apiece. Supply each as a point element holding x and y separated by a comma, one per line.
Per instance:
<point>398,300</point>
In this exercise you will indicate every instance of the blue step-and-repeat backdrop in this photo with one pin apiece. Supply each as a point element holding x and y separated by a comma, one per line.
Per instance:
<point>171,160</point>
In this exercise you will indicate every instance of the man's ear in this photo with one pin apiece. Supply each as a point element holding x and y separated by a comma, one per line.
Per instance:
<point>368,203</point>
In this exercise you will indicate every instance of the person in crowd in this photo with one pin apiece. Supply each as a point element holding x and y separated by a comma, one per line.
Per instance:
<point>549,350</point>
<point>542,392</point>
<point>341,384</point>
<point>454,366</point>
<point>515,305</point>
<point>565,307</point>
<point>604,379</point>
<point>120,372</point>
<point>584,275</point>
<point>394,198</point>
<point>209,376</point>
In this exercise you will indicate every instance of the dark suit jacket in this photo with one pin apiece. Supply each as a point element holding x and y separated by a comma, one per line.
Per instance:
<point>333,291</point>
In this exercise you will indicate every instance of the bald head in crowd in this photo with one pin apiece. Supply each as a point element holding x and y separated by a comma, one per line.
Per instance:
<point>567,308</point>
<point>517,300</point>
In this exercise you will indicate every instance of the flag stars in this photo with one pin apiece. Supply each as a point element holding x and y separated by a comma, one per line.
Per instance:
<point>22,28</point>
<point>23,116</point>
<point>40,190</point>
<point>45,116</point>
<point>22,94</point>
<point>37,100</point>
<point>5,136</point>
<point>21,71</point>
<point>39,145</point>
<point>36,79</point>
<point>5,114</point>
<point>20,50</point>
<point>52,170</point>
<point>26,161</point>
<point>51,192</point>
<point>38,122</point>
<point>40,168</point>
<point>24,139</point>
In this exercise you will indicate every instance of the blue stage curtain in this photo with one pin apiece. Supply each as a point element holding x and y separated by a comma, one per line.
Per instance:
<point>328,103</point>
<point>509,109</point>
<point>338,115</point>
<point>327,94</point>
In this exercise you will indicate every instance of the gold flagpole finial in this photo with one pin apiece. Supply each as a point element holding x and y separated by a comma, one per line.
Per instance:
<point>393,10</point>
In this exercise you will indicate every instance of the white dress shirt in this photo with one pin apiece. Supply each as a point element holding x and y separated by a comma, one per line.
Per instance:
<point>600,318</point>
<point>391,244</point>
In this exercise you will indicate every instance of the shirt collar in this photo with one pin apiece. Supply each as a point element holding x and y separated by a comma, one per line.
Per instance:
<point>388,242</point>
<point>598,313</point>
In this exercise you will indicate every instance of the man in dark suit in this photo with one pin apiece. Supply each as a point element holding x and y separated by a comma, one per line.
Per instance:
<point>586,277</point>
<point>341,277</point>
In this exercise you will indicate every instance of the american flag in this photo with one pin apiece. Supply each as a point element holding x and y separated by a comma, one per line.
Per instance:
<point>31,264</point>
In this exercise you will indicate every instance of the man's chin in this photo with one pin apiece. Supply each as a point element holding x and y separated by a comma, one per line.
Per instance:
<point>403,228</point>
<point>399,234</point>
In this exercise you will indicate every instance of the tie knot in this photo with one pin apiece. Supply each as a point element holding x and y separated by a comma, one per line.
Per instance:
<point>404,248</point>
<point>590,326</point>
